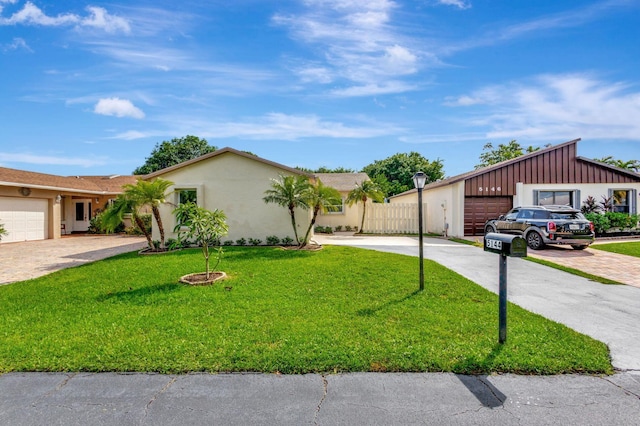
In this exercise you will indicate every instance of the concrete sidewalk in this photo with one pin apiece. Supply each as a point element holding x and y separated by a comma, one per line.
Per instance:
<point>343,399</point>
<point>608,313</point>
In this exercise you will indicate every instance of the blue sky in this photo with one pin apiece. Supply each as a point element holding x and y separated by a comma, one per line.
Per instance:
<point>91,87</point>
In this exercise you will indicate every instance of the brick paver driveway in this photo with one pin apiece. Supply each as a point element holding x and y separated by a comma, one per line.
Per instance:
<point>32,259</point>
<point>617,267</point>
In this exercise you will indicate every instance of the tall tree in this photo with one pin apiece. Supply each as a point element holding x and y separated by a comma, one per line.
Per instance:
<point>503,152</point>
<point>362,193</point>
<point>124,204</point>
<point>633,165</point>
<point>320,198</point>
<point>395,174</point>
<point>175,151</point>
<point>152,194</point>
<point>289,192</point>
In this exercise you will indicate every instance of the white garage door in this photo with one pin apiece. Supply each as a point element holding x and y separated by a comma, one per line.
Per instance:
<point>25,219</point>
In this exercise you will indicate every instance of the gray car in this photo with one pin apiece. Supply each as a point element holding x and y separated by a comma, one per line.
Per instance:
<point>541,225</point>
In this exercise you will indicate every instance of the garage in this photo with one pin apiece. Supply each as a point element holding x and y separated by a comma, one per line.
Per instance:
<point>477,210</point>
<point>24,219</point>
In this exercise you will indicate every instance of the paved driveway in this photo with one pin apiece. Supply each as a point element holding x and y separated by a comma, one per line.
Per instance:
<point>32,259</point>
<point>608,313</point>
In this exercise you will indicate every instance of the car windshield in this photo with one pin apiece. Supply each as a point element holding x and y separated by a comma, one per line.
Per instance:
<point>567,216</point>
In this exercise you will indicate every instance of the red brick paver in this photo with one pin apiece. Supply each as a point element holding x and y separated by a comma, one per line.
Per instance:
<point>32,259</point>
<point>617,267</point>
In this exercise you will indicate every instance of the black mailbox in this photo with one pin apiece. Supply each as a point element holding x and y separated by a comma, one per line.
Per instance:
<point>507,245</point>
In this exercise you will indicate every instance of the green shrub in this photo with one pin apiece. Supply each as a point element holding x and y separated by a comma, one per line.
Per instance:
<point>134,230</point>
<point>255,241</point>
<point>338,228</point>
<point>2,231</point>
<point>348,228</point>
<point>287,241</point>
<point>228,243</point>
<point>272,240</point>
<point>600,222</point>
<point>96,226</point>
<point>241,242</point>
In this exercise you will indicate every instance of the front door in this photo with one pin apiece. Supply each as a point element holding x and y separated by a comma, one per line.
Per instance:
<point>82,215</point>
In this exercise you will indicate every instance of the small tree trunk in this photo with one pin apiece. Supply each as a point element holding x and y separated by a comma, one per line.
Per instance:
<point>364,210</point>
<point>140,224</point>
<point>316,209</point>
<point>156,215</point>
<point>205,251</point>
<point>292,213</point>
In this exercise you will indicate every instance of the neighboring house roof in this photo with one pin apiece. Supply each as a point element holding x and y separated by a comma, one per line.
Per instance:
<point>541,152</point>
<point>85,184</point>
<point>220,152</point>
<point>343,182</point>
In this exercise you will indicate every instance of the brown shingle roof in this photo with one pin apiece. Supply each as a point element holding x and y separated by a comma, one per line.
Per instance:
<point>342,181</point>
<point>91,184</point>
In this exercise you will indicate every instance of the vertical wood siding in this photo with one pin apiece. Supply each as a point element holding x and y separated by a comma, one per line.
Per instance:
<point>555,166</point>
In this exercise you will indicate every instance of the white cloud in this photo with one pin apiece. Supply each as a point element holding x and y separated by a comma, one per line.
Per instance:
<point>100,18</point>
<point>30,14</point>
<point>553,107</point>
<point>28,158</point>
<point>460,4</point>
<point>374,89</point>
<point>118,107</point>
<point>277,126</point>
<point>356,42</point>
<point>17,43</point>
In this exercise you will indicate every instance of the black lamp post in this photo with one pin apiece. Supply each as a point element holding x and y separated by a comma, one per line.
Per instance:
<point>419,179</point>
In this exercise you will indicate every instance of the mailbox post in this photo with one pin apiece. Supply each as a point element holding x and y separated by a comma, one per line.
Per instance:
<point>505,246</point>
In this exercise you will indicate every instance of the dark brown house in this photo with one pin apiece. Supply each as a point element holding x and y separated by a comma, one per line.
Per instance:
<point>554,175</point>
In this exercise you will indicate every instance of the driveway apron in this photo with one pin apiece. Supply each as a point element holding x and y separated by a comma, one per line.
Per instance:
<point>608,313</point>
<point>32,259</point>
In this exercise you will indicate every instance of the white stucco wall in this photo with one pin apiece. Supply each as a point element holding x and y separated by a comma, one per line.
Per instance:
<point>351,215</point>
<point>235,185</point>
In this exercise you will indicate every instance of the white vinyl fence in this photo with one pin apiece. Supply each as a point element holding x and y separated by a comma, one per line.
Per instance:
<point>400,218</point>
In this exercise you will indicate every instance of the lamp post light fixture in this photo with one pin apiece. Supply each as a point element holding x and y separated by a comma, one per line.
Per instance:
<point>419,180</point>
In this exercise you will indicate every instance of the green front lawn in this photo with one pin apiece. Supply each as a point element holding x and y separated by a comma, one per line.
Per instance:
<point>339,309</point>
<point>630,249</point>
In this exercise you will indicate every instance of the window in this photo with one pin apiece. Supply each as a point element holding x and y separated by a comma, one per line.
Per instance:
<point>187,196</point>
<point>336,209</point>
<point>558,198</point>
<point>623,200</point>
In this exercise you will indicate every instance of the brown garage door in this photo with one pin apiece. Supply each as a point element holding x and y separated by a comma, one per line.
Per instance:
<point>477,210</point>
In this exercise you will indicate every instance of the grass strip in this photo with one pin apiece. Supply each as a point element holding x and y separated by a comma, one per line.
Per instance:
<point>627,248</point>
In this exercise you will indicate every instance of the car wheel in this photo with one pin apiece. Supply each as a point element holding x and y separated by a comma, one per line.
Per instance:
<point>579,247</point>
<point>489,228</point>
<point>534,240</point>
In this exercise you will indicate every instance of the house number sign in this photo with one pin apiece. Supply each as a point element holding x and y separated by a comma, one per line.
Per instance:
<point>487,189</point>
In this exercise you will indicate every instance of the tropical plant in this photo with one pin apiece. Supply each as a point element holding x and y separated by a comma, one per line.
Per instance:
<point>2,231</point>
<point>152,194</point>
<point>362,193</point>
<point>503,152</point>
<point>112,216</point>
<point>203,226</point>
<point>290,192</point>
<point>633,165</point>
<point>320,198</point>
<point>590,205</point>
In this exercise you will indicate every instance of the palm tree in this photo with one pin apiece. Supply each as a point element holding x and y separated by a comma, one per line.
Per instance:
<point>150,193</point>
<point>363,192</point>
<point>289,192</point>
<point>113,215</point>
<point>322,199</point>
